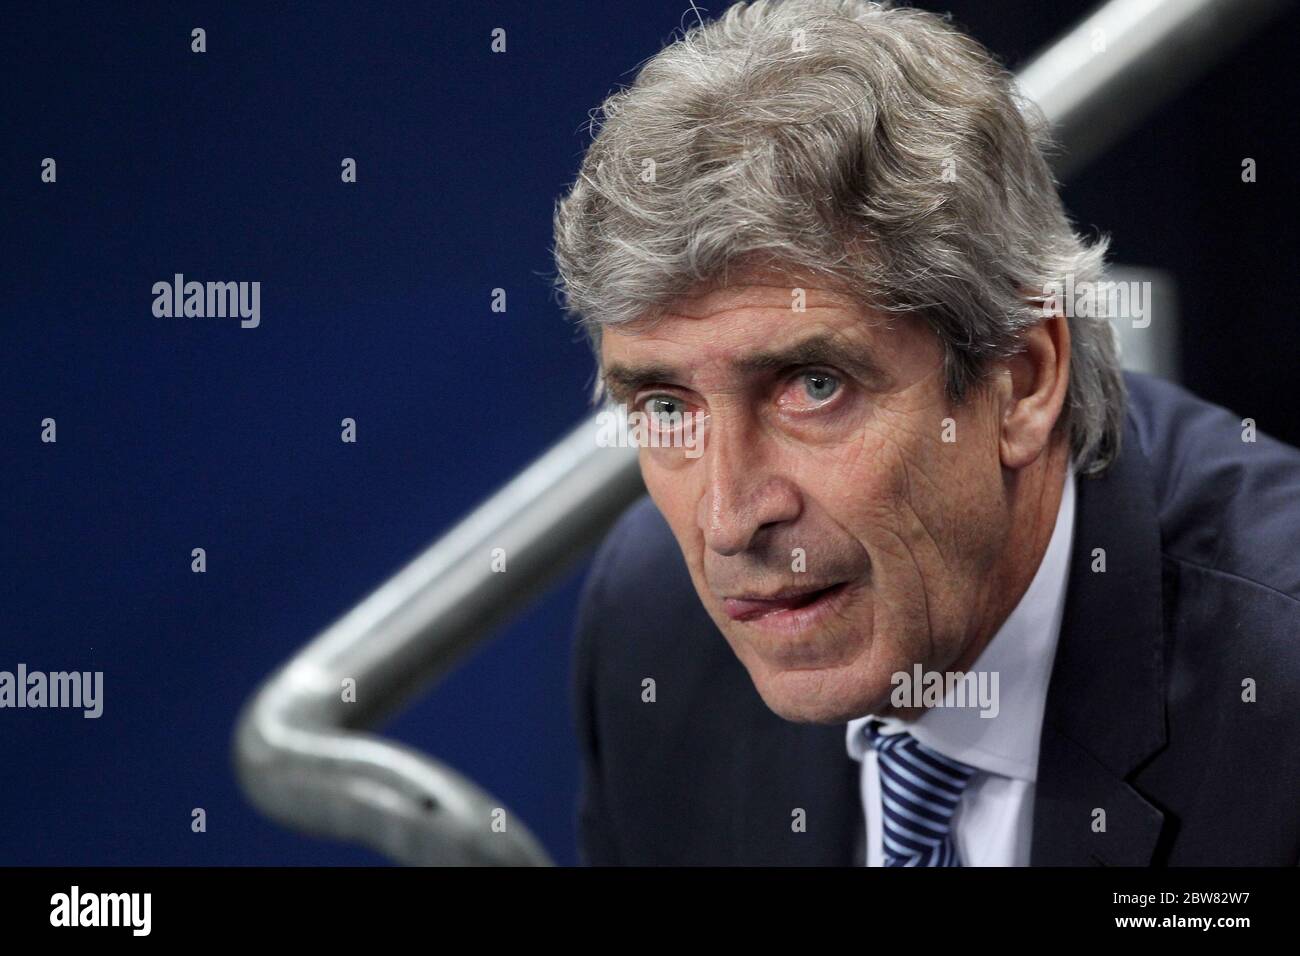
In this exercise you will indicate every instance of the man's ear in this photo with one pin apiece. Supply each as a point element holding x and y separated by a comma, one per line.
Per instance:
<point>1034,390</point>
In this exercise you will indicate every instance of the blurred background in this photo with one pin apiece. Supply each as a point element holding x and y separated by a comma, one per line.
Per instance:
<point>376,305</point>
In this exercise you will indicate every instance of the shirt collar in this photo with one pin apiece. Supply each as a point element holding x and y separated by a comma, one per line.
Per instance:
<point>1021,654</point>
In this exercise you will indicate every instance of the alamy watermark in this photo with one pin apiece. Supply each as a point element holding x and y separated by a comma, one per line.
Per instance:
<point>619,428</point>
<point>921,688</point>
<point>82,690</point>
<point>75,908</point>
<point>178,298</point>
<point>1105,299</point>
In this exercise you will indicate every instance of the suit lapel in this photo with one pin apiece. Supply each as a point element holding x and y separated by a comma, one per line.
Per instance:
<point>1105,711</point>
<point>794,788</point>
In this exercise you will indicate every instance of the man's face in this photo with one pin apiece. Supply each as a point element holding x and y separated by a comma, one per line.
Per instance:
<point>831,459</point>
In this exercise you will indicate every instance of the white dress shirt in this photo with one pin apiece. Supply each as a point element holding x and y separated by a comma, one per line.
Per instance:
<point>993,823</point>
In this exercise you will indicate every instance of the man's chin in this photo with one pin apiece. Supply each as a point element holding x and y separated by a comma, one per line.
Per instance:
<point>817,695</point>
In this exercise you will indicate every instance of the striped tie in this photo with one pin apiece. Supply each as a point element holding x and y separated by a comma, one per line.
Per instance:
<point>919,790</point>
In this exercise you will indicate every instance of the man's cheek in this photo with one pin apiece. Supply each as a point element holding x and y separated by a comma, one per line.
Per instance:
<point>677,509</point>
<point>872,506</point>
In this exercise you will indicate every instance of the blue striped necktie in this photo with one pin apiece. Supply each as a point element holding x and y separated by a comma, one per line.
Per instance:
<point>919,790</point>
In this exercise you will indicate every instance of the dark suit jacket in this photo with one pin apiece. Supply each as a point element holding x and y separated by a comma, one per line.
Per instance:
<point>1144,717</point>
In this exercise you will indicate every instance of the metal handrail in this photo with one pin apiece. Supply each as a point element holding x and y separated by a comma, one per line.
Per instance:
<point>1127,57</point>
<point>300,751</point>
<point>302,754</point>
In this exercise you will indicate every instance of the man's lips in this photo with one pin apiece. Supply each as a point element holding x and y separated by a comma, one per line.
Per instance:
<point>752,608</point>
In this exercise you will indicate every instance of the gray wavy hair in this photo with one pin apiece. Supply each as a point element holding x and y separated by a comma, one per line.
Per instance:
<point>875,147</point>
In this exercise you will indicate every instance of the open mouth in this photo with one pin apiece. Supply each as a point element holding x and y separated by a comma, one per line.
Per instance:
<point>745,609</point>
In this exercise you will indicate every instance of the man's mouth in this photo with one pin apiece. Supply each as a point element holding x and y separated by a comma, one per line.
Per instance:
<point>750,608</point>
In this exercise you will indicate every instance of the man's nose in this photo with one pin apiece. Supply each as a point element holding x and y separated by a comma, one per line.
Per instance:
<point>742,495</point>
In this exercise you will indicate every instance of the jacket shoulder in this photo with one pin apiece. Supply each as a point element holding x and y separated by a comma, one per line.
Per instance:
<point>639,580</point>
<point>1227,495</point>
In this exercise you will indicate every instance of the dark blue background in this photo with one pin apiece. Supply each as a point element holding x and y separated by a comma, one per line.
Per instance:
<point>181,433</point>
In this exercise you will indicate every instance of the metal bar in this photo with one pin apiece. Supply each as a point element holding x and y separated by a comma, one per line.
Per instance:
<point>1127,57</point>
<point>301,752</point>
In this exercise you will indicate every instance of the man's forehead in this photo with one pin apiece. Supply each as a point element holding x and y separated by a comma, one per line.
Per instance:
<point>742,317</point>
<point>757,288</point>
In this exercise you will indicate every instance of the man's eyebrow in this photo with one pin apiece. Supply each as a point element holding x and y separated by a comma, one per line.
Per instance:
<point>623,380</point>
<point>823,349</point>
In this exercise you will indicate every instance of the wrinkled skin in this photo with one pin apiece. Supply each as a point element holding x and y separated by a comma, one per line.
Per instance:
<point>937,539</point>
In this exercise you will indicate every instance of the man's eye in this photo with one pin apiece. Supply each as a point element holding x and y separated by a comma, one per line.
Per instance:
<point>663,410</point>
<point>817,387</point>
